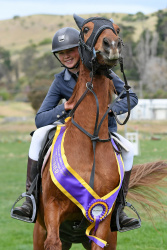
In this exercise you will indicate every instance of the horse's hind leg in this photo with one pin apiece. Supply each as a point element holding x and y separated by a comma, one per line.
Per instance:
<point>66,245</point>
<point>39,236</point>
<point>87,245</point>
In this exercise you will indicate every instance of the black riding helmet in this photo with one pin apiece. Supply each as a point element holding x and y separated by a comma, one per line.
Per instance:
<point>65,38</point>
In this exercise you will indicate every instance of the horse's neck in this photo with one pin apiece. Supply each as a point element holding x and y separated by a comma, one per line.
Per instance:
<point>85,115</point>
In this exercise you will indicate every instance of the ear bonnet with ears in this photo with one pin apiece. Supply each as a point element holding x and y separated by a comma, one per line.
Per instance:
<point>86,50</point>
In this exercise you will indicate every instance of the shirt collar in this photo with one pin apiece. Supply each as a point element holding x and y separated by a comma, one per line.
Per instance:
<point>67,75</point>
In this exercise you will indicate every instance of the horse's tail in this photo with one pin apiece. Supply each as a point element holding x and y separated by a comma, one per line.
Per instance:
<point>147,185</point>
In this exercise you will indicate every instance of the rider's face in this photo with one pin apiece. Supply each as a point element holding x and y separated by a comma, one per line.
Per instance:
<point>69,57</point>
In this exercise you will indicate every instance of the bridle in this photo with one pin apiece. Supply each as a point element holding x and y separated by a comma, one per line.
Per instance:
<point>83,47</point>
<point>87,50</point>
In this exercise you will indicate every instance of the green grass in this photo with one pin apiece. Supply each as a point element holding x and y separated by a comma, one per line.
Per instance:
<point>17,235</point>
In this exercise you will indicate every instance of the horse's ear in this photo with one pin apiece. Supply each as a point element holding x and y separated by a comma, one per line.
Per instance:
<point>79,21</point>
<point>111,20</point>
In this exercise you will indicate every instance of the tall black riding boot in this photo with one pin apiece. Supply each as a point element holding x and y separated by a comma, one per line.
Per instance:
<point>26,209</point>
<point>124,220</point>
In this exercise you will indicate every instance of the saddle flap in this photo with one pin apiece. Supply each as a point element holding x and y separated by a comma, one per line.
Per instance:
<point>119,143</point>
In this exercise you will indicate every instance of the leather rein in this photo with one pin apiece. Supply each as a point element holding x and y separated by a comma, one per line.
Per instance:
<point>95,136</point>
<point>89,88</point>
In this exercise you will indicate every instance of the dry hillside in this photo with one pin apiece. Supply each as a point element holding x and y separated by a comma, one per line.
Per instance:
<point>19,32</point>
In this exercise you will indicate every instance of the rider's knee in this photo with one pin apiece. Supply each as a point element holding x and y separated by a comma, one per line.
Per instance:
<point>39,135</point>
<point>128,156</point>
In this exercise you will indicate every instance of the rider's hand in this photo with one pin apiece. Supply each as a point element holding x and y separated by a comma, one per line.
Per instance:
<point>68,106</point>
<point>110,112</point>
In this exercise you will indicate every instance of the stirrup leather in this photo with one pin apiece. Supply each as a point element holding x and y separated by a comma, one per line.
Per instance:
<point>119,209</point>
<point>34,208</point>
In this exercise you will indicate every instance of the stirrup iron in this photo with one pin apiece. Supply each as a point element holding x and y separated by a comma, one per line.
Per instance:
<point>124,229</point>
<point>22,218</point>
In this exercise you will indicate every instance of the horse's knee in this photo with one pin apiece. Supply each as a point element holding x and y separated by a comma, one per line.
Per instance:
<point>52,243</point>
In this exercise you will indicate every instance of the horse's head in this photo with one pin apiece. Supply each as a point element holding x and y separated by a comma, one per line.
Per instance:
<point>99,41</point>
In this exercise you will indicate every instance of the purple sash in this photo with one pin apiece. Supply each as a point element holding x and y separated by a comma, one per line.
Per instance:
<point>93,207</point>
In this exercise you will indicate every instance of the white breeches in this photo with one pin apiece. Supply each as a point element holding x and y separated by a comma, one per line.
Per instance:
<point>38,139</point>
<point>127,156</point>
<point>40,135</point>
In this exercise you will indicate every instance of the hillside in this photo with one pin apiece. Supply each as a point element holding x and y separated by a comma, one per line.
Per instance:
<point>19,32</point>
<point>27,66</point>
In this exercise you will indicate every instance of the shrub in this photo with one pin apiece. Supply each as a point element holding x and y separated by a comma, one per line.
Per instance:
<point>45,41</point>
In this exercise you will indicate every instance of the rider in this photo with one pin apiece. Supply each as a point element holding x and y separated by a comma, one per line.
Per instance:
<point>65,48</point>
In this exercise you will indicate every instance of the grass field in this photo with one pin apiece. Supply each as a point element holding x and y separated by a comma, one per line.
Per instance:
<point>17,235</point>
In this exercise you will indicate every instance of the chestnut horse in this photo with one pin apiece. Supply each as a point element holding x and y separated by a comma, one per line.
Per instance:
<point>56,210</point>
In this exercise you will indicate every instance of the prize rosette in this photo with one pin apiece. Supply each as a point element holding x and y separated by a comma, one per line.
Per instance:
<point>97,209</point>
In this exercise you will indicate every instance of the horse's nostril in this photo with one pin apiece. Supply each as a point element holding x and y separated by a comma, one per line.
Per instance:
<point>119,44</point>
<point>106,42</point>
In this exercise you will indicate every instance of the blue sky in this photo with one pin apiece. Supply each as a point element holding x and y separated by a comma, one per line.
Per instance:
<point>10,8</point>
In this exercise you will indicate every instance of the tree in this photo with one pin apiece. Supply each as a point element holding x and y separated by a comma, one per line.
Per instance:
<point>145,50</point>
<point>27,60</point>
<point>155,76</point>
<point>161,29</point>
<point>5,67</point>
<point>38,91</point>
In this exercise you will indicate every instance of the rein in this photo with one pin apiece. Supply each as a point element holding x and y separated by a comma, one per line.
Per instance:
<point>95,136</point>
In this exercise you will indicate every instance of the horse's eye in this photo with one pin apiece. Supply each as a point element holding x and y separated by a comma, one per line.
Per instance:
<point>85,30</point>
<point>118,30</point>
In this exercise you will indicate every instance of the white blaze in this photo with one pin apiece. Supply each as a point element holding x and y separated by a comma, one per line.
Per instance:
<point>113,55</point>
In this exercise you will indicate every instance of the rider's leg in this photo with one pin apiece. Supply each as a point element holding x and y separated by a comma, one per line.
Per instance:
<point>38,138</point>
<point>127,157</point>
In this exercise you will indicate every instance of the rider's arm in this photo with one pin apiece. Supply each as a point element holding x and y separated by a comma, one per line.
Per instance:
<point>121,106</point>
<point>50,111</point>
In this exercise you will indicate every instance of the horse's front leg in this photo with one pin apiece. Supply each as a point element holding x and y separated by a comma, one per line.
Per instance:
<point>52,214</point>
<point>111,241</point>
<point>103,232</point>
<point>39,236</point>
